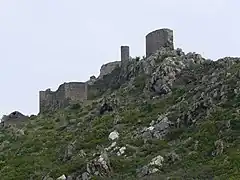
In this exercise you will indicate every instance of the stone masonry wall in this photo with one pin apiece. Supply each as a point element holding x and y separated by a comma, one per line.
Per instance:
<point>157,39</point>
<point>76,91</point>
<point>45,99</point>
<point>66,94</point>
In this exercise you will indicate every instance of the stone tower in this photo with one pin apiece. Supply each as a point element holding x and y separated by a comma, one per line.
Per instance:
<point>157,39</point>
<point>124,55</point>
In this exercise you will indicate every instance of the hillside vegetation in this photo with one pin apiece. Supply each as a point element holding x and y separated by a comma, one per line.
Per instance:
<point>170,116</point>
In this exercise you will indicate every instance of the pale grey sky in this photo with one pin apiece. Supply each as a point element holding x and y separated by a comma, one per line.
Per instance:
<point>44,43</point>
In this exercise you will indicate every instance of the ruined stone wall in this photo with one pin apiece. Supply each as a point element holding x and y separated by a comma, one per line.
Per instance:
<point>65,95</point>
<point>76,91</point>
<point>16,122</point>
<point>15,118</point>
<point>157,39</point>
<point>45,99</point>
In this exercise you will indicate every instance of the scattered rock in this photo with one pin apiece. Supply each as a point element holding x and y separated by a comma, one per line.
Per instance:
<point>158,129</point>
<point>121,151</point>
<point>157,161</point>
<point>69,151</point>
<point>153,167</point>
<point>63,177</point>
<point>113,135</point>
<point>219,147</point>
<point>86,176</point>
<point>100,166</point>
<point>111,146</point>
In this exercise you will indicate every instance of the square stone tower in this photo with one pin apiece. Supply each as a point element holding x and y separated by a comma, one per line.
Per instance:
<point>125,54</point>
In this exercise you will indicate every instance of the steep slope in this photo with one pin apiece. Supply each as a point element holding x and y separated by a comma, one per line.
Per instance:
<point>170,116</point>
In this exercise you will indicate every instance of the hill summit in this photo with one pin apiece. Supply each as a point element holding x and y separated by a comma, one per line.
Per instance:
<point>169,115</point>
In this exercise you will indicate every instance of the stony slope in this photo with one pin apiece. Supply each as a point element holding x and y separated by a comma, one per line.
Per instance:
<point>170,116</point>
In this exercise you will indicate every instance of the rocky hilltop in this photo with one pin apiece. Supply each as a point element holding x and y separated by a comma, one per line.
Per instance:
<point>172,115</point>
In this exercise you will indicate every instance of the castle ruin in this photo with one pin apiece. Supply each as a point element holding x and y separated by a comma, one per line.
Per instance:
<point>72,92</point>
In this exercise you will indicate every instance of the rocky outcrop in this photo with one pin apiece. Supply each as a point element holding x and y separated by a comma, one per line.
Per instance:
<point>157,129</point>
<point>165,65</point>
<point>153,167</point>
<point>108,68</point>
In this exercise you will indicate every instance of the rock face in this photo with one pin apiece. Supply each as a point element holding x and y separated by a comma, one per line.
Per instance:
<point>158,129</point>
<point>108,68</point>
<point>165,65</point>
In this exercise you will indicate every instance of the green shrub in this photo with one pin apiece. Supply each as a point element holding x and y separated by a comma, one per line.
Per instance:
<point>140,82</point>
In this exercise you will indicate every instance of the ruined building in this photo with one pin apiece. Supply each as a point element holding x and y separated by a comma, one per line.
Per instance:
<point>72,92</point>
